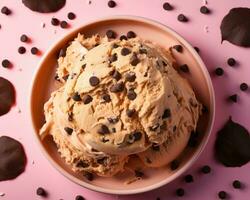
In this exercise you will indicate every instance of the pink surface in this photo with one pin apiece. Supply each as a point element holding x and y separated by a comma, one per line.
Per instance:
<point>17,124</point>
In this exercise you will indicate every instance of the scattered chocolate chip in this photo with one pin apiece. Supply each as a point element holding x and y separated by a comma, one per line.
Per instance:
<point>111,4</point>
<point>13,158</point>
<point>155,147</point>
<point>131,95</point>
<point>118,87</point>
<point>21,50</point>
<point>243,87</point>
<point>103,130</point>
<point>116,75</point>
<point>184,68</point>
<point>189,178</point>
<point>233,98</point>
<point>137,135</point>
<point>106,98</point>
<point>197,49</point>
<point>174,165</point>
<point>71,16</point>
<point>113,120</point>
<point>131,34</point>
<point>24,38</point>
<point>111,34</point>
<point>222,195</point>
<point>89,176</point>
<point>62,52</point>
<point>94,81</point>
<point>123,37</point>
<point>5,10</point>
<point>82,164</point>
<point>6,63</point>
<point>41,192</point>
<point>180,192</point>
<point>76,97</point>
<point>55,21</point>
<point>143,51</point>
<point>236,184</point>
<point>166,114</point>
<point>139,173</point>
<point>204,10</point>
<point>64,24</point>
<point>79,197</point>
<point>115,46</point>
<point>219,71</point>
<point>125,51</point>
<point>68,130</point>
<point>167,6</point>
<point>205,169</point>
<point>178,48</point>
<point>113,57</point>
<point>34,50</point>
<point>44,6</point>
<point>134,60</point>
<point>182,18</point>
<point>130,76</point>
<point>87,99</point>
<point>130,112</point>
<point>231,62</point>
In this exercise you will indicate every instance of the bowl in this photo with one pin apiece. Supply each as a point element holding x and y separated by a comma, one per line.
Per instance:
<point>43,84</point>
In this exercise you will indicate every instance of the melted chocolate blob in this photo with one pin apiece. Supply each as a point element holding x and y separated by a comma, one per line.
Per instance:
<point>232,146</point>
<point>12,158</point>
<point>7,95</point>
<point>235,27</point>
<point>44,6</point>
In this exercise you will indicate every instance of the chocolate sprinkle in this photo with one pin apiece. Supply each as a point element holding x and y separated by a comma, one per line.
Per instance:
<point>131,95</point>
<point>116,88</point>
<point>111,4</point>
<point>167,6</point>
<point>111,34</point>
<point>243,87</point>
<point>103,130</point>
<point>182,18</point>
<point>166,114</point>
<point>55,21</point>
<point>71,16</point>
<point>6,63</point>
<point>44,6</point>
<point>178,48</point>
<point>41,192</point>
<point>87,99</point>
<point>131,34</point>
<point>68,130</point>
<point>24,38</point>
<point>125,51</point>
<point>94,81</point>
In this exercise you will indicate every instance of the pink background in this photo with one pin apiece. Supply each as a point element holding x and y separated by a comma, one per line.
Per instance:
<point>17,123</point>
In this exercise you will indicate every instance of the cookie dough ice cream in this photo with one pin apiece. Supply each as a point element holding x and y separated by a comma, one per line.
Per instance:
<point>117,99</point>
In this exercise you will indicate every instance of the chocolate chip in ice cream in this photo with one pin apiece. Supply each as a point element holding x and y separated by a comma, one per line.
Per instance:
<point>111,4</point>
<point>182,18</point>
<point>87,99</point>
<point>116,88</point>
<point>89,176</point>
<point>113,57</point>
<point>167,6</point>
<point>178,48</point>
<point>125,51</point>
<point>94,81</point>
<point>76,97</point>
<point>123,37</point>
<point>103,129</point>
<point>130,112</point>
<point>68,130</point>
<point>54,21</point>
<point>134,60</point>
<point>130,76</point>
<point>204,10</point>
<point>44,6</point>
<point>166,114</point>
<point>231,62</point>
<point>111,34</point>
<point>116,75</point>
<point>131,95</point>
<point>131,34</point>
<point>233,98</point>
<point>41,192</point>
<point>12,158</point>
<point>243,87</point>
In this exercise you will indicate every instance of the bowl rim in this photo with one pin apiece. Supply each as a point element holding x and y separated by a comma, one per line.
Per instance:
<point>183,168</point>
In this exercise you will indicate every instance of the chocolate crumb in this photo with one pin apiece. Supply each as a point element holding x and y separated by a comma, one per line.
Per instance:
<point>131,95</point>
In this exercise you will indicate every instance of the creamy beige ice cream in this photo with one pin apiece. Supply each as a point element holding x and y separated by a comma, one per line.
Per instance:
<point>117,99</point>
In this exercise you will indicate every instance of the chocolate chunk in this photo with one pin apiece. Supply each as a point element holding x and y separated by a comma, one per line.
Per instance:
<point>130,76</point>
<point>205,169</point>
<point>182,18</point>
<point>167,6</point>
<point>103,130</point>
<point>178,48</point>
<point>130,112</point>
<point>106,98</point>
<point>143,51</point>
<point>243,87</point>
<point>89,176</point>
<point>180,192</point>
<point>115,46</point>
<point>134,60</point>
<point>24,38</point>
<point>79,197</point>
<point>222,195</point>
<point>64,24</point>
<point>204,10</point>
<point>111,4</point>
<point>189,178</point>
<point>219,71</point>
<point>55,21</point>
<point>235,27</point>
<point>131,34</point>
<point>232,146</point>
<point>118,87</point>
<point>71,16</point>
<point>111,34</point>
<point>174,165</point>
<point>113,120</point>
<point>166,114</point>
<point>231,62</point>
<point>87,99</point>
<point>113,57</point>
<point>237,184</point>
<point>76,97</point>
<point>82,164</point>
<point>125,51</point>
<point>21,50</point>
<point>184,68</point>
<point>131,95</point>
<point>5,10</point>
<point>94,81</point>
<point>123,37</point>
<point>116,75</point>
<point>41,192</point>
<point>12,158</point>
<point>137,135</point>
<point>155,147</point>
<point>6,63</point>
<point>233,98</point>
<point>7,96</point>
<point>68,130</point>
<point>34,50</point>
<point>139,174</point>
<point>44,6</point>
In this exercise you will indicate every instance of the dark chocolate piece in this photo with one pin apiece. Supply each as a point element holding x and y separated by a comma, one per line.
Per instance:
<point>103,130</point>
<point>131,95</point>
<point>116,88</point>
<point>125,51</point>
<point>116,75</point>
<point>68,130</point>
<point>111,34</point>
<point>233,98</point>
<point>5,10</point>
<point>55,21</point>
<point>130,76</point>
<point>45,6</point>
<point>94,81</point>
<point>87,99</point>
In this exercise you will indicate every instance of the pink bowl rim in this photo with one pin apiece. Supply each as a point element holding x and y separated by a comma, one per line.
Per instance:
<point>183,168</point>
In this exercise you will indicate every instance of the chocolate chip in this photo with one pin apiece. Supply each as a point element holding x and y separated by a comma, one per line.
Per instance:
<point>103,130</point>
<point>76,97</point>
<point>5,10</point>
<point>231,62</point>
<point>113,58</point>
<point>137,135</point>
<point>130,76</point>
<point>79,197</point>
<point>65,77</point>
<point>68,130</point>
<point>41,192</point>
<point>111,4</point>
<point>24,38</point>
<point>71,16</point>
<point>131,95</point>
<point>87,99</point>
<point>139,174</point>
<point>222,195</point>
<point>166,114</point>
<point>123,37</point>
<point>180,192</point>
<point>116,75</point>
<point>116,88</point>
<point>189,178</point>
<point>82,164</point>
<point>64,24</point>
<point>6,63</point>
<point>131,34</point>
<point>243,87</point>
<point>106,98</point>
<point>125,51</point>
<point>34,50</point>
<point>130,112</point>
<point>178,48</point>
<point>55,21</point>
<point>62,52</point>
<point>182,18</point>
<point>174,165</point>
<point>167,6</point>
<point>89,176</point>
<point>143,51</point>
<point>233,98</point>
<point>21,50</point>
<point>197,49</point>
<point>44,6</point>
<point>205,169</point>
<point>237,184</point>
<point>113,120</point>
<point>111,34</point>
<point>115,46</point>
<point>155,147</point>
<point>219,71</point>
<point>184,68</point>
<point>204,10</point>
<point>94,81</point>
<point>134,60</point>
